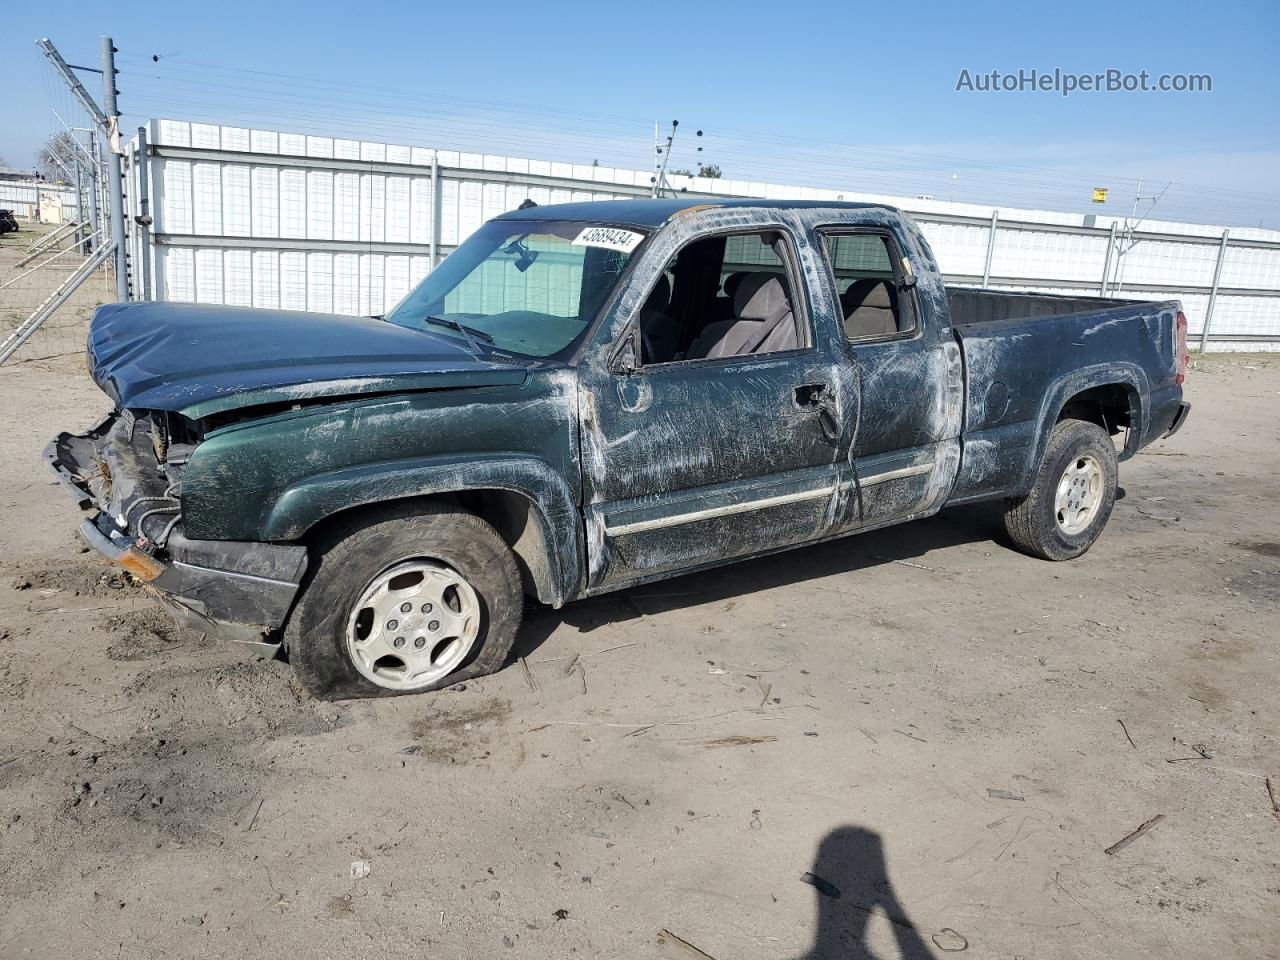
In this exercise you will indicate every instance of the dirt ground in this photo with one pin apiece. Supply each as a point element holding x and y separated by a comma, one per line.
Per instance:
<point>946,734</point>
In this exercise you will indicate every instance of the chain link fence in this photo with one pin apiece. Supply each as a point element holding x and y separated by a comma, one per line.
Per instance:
<point>23,289</point>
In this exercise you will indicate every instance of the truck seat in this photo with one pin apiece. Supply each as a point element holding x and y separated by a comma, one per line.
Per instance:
<point>763,323</point>
<point>869,309</point>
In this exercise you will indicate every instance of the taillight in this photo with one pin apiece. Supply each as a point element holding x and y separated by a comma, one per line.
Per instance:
<point>1180,345</point>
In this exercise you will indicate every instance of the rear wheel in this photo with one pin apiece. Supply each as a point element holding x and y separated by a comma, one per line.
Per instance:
<point>413,598</point>
<point>1073,495</point>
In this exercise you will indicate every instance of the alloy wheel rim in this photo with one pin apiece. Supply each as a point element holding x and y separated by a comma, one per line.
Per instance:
<point>1079,494</point>
<point>413,625</point>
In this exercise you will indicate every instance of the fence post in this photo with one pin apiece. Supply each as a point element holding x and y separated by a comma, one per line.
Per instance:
<point>1106,267</point>
<point>991,246</point>
<point>92,190</point>
<point>435,206</point>
<point>79,207</point>
<point>114,174</point>
<point>1213,292</point>
<point>144,211</point>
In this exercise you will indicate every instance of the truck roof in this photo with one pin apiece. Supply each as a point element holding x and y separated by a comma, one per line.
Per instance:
<point>644,212</point>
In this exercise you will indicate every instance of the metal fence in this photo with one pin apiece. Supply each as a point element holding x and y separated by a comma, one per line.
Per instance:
<point>273,219</point>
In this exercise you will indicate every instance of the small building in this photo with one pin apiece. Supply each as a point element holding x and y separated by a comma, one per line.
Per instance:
<point>50,207</point>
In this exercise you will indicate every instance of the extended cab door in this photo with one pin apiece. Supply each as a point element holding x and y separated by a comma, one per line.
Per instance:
<point>898,341</point>
<point>711,421</point>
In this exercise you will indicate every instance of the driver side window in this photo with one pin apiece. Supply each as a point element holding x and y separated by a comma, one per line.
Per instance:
<point>723,296</point>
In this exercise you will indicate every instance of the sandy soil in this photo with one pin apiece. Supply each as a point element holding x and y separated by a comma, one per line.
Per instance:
<point>944,732</point>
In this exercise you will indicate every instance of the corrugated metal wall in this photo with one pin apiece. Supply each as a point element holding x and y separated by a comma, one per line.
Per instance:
<point>272,219</point>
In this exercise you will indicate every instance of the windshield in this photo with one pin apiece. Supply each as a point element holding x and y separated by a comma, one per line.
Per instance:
<point>525,286</point>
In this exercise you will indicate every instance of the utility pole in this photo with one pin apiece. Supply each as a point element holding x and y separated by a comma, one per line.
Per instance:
<point>115,175</point>
<point>1131,224</point>
<point>660,180</point>
<point>657,163</point>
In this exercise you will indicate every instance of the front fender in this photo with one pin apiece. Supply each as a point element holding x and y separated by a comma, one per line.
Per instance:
<point>1077,381</point>
<point>307,502</point>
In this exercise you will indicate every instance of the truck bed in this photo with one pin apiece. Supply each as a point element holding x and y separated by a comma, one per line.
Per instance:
<point>970,305</point>
<point>1027,355</point>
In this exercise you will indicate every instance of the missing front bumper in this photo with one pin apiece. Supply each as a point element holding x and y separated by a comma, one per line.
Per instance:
<point>230,605</point>
<point>240,591</point>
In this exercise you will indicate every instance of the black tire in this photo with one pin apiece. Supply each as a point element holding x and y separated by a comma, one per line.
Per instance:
<point>1032,522</point>
<point>349,557</point>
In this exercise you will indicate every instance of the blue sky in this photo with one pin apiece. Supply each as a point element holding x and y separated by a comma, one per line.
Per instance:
<point>858,96</point>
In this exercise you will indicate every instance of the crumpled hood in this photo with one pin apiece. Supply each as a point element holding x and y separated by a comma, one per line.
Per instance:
<point>196,359</point>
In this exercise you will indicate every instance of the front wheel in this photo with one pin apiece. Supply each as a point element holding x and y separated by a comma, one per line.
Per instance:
<point>1072,497</point>
<point>413,598</point>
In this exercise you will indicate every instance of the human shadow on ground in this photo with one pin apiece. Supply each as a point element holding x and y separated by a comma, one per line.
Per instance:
<point>851,882</point>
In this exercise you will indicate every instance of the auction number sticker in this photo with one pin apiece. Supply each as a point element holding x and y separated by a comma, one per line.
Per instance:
<point>611,238</point>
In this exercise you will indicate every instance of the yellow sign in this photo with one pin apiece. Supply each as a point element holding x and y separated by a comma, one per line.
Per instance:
<point>1099,194</point>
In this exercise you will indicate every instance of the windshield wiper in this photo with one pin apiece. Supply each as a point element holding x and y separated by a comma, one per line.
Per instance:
<point>470,334</point>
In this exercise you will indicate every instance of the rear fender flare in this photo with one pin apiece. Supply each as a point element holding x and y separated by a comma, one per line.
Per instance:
<point>306,503</point>
<point>1077,381</point>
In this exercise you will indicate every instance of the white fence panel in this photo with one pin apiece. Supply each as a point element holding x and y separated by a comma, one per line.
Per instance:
<point>275,219</point>
<point>23,198</point>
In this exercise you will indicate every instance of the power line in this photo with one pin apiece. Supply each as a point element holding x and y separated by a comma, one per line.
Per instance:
<point>894,155</point>
<point>507,129</point>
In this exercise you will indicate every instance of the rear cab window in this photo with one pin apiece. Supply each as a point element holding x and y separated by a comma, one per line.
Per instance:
<point>868,271</point>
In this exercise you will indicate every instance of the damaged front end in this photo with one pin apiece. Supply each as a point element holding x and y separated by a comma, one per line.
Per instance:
<point>128,471</point>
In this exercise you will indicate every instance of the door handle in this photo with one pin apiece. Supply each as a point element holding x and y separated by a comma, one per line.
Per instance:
<point>819,398</point>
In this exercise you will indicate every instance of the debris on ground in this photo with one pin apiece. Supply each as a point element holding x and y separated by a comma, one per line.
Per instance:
<point>1126,840</point>
<point>737,741</point>
<point>1004,794</point>
<point>765,690</point>
<point>1126,734</point>
<point>528,675</point>
<point>360,869</point>
<point>1201,752</point>
<point>679,947</point>
<point>824,887</point>
<point>253,817</point>
<point>949,941</point>
<point>619,646</point>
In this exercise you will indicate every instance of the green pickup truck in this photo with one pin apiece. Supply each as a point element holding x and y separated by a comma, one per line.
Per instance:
<point>586,397</point>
